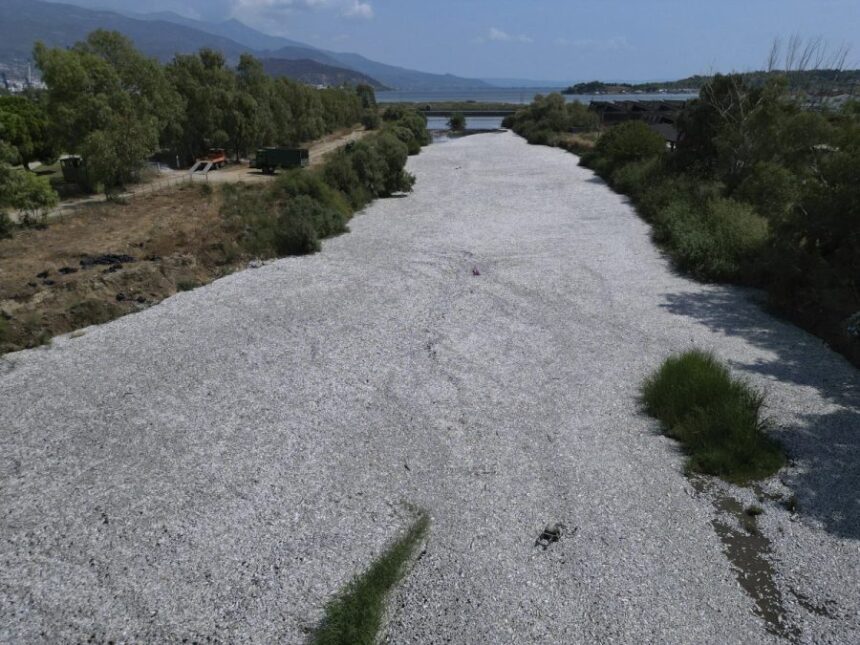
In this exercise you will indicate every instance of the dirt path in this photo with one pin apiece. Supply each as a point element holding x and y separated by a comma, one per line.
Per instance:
<point>217,466</point>
<point>232,173</point>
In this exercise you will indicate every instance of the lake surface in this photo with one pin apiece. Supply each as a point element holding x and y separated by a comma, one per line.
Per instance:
<point>520,96</point>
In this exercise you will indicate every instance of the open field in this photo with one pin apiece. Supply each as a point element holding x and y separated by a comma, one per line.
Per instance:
<point>107,260</point>
<point>219,465</point>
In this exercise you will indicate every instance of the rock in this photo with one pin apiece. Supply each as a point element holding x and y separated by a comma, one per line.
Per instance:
<point>551,533</point>
<point>109,259</point>
<point>255,264</point>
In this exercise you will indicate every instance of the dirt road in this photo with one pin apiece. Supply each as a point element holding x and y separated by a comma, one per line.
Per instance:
<point>217,466</point>
<point>232,173</point>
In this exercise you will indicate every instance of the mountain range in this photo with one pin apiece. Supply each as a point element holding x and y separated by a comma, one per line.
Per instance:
<point>163,35</point>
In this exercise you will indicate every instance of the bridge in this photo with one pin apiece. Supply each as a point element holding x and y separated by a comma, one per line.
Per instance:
<point>468,113</point>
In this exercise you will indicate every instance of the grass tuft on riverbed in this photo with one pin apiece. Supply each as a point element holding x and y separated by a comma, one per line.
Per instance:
<point>716,417</point>
<point>355,616</point>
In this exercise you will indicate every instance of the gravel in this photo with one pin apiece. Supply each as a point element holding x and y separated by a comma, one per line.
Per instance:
<point>217,466</point>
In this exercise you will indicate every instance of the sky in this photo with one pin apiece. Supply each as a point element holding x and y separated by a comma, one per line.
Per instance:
<point>558,40</point>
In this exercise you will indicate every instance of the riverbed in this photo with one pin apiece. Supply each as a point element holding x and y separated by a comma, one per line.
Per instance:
<point>219,465</point>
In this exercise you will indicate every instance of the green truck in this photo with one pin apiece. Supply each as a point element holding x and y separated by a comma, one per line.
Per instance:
<point>268,159</point>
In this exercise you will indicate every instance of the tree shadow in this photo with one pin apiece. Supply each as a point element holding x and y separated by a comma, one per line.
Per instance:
<point>825,445</point>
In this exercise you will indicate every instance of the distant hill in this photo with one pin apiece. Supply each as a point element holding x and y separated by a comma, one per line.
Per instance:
<point>162,35</point>
<point>232,29</point>
<point>23,22</point>
<point>826,81</point>
<point>314,73</point>
<point>406,79</point>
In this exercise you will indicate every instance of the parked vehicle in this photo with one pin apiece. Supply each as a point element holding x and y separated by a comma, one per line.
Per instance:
<point>217,156</point>
<point>75,170</point>
<point>269,159</point>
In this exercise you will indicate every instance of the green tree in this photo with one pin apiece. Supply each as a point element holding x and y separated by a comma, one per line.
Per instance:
<point>24,126</point>
<point>207,88</point>
<point>20,190</point>
<point>101,93</point>
<point>367,96</point>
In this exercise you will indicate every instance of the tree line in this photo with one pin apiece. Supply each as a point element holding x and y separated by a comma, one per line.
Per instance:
<point>759,190</point>
<point>116,108</point>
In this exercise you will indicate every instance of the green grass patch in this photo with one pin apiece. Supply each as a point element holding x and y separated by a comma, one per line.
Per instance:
<point>717,418</point>
<point>187,285</point>
<point>355,616</point>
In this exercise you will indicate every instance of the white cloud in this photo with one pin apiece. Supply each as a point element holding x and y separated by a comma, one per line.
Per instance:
<point>496,35</point>
<point>616,43</point>
<point>362,10</point>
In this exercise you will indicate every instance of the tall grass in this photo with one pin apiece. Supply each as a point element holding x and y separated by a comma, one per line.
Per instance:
<point>355,616</point>
<point>717,418</point>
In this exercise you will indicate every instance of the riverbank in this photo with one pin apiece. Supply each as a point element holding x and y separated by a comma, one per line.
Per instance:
<point>219,465</point>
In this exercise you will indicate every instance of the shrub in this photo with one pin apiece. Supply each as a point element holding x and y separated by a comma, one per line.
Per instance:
<point>186,285</point>
<point>6,226</point>
<point>714,242</point>
<point>248,215</point>
<point>340,174</point>
<point>629,141</point>
<point>92,312</point>
<point>393,153</point>
<point>299,182</point>
<point>637,177</point>
<point>302,222</point>
<point>408,137</point>
<point>457,122</point>
<point>394,113</point>
<point>771,189</point>
<point>295,236</point>
<point>371,120</point>
<point>417,124</point>
<point>716,418</point>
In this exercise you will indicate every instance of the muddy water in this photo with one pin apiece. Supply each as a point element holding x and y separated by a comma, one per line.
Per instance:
<point>749,553</point>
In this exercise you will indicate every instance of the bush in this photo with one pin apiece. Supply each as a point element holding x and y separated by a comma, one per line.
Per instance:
<point>715,417</point>
<point>394,113</point>
<point>299,182</point>
<point>92,312</point>
<point>247,212</point>
<point>715,242</point>
<point>417,124</point>
<point>295,236</point>
<point>636,178</point>
<point>457,122</point>
<point>6,226</point>
<point>408,137</point>
<point>628,142</point>
<point>393,153</point>
<point>371,120</point>
<point>300,225</point>
<point>771,189</point>
<point>340,174</point>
